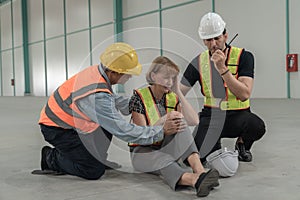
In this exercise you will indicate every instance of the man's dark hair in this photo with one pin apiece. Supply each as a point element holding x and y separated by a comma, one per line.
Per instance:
<point>224,32</point>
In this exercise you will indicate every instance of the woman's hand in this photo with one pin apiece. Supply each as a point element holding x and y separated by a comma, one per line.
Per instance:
<point>176,86</point>
<point>173,123</point>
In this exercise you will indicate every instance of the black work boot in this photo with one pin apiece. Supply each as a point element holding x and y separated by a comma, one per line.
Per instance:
<point>244,155</point>
<point>44,153</point>
<point>45,170</point>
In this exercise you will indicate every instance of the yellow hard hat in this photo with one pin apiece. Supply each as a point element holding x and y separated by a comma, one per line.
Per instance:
<point>122,58</point>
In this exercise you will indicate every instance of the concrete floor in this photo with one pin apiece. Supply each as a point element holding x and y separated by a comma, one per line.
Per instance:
<point>273,174</point>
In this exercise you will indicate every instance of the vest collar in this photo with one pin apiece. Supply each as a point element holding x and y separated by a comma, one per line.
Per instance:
<point>102,72</point>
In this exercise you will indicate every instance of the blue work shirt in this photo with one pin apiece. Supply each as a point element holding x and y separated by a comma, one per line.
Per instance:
<point>104,109</point>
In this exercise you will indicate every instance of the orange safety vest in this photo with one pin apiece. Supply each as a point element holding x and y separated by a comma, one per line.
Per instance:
<point>151,110</point>
<point>61,109</point>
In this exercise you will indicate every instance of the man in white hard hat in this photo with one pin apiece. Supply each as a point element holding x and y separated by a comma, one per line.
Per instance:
<point>82,115</point>
<point>225,74</point>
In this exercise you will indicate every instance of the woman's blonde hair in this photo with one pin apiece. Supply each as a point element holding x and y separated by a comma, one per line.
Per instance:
<point>157,64</point>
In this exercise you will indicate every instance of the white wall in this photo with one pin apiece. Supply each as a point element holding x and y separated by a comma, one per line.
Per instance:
<point>64,56</point>
<point>295,46</point>
<point>7,70</point>
<point>36,50</point>
<point>261,26</point>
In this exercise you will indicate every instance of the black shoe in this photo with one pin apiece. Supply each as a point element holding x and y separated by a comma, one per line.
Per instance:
<point>244,155</point>
<point>111,165</point>
<point>45,170</point>
<point>206,182</point>
<point>44,153</point>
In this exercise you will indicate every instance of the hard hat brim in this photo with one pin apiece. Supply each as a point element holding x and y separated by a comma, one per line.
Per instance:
<point>205,37</point>
<point>134,71</point>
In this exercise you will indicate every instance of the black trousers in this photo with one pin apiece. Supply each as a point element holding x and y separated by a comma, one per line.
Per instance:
<point>216,124</point>
<point>77,154</point>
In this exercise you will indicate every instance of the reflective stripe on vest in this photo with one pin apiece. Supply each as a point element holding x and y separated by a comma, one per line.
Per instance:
<point>151,110</point>
<point>61,109</point>
<point>230,102</point>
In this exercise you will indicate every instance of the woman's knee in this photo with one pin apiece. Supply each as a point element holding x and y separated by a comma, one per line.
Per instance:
<point>136,163</point>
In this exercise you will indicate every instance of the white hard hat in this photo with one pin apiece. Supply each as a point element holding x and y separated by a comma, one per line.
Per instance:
<point>211,25</point>
<point>225,161</point>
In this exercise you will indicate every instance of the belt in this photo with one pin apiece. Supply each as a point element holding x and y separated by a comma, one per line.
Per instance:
<point>221,104</point>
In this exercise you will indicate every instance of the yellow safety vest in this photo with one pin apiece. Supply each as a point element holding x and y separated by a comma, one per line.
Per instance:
<point>230,102</point>
<point>151,110</point>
